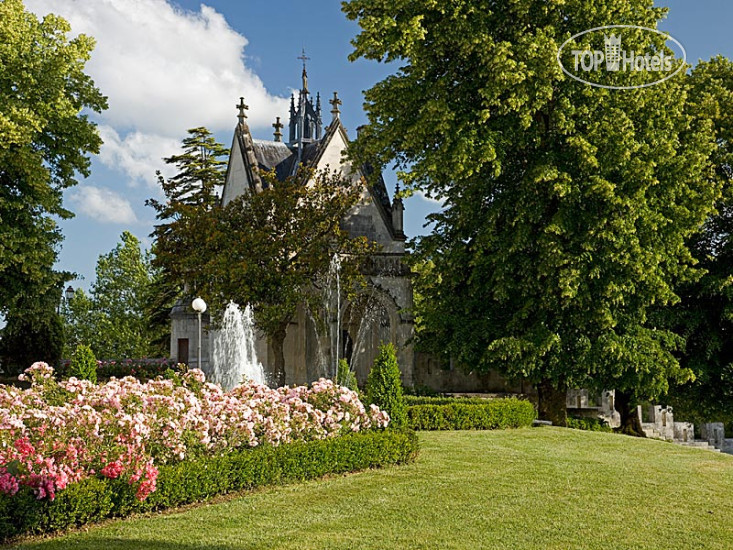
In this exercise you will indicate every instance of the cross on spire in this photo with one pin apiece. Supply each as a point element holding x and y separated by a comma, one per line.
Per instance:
<point>304,58</point>
<point>278,126</point>
<point>242,107</point>
<point>335,102</point>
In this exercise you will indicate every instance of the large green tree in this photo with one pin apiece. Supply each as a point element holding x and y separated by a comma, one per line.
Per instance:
<point>45,143</point>
<point>119,293</point>
<point>567,207</point>
<point>113,318</point>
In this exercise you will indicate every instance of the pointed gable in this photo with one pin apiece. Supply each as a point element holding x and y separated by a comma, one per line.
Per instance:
<point>372,217</point>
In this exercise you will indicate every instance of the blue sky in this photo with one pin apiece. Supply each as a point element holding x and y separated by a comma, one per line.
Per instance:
<point>169,66</point>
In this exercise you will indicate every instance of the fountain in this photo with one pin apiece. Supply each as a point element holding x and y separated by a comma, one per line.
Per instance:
<point>234,356</point>
<point>327,321</point>
<point>335,270</point>
<point>364,316</point>
<point>368,324</point>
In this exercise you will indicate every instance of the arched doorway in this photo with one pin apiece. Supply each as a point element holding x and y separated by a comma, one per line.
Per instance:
<point>367,321</point>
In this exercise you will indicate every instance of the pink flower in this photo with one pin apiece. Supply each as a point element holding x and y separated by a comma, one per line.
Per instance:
<point>8,484</point>
<point>124,428</point>
<point>112,470</point>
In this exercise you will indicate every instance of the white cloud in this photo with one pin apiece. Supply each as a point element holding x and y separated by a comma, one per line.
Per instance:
<point>438,202</point>
<point>139,155</point>
<point>164,70</point>
<point>103,205</point>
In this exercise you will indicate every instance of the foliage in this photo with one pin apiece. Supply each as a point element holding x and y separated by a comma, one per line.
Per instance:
<point>384,387</point>
<point>123,275</point>
<point>159,297</point>
<point>345,376</point>
<point>567,207</point>
<point>438,400</point>
<point>189,194</point>
<point>264,248</point>
<point>421,391</point>
<point>142,369</point>
<point>201,173</point>
<point>80,320</point>
<point>112,320</point>
<point>492,415</point>
<point>704,316</point>
<point>83,364</point>
<point>125,429</point>
<point>197,479</point>
<point>45,142</point>
<point>33,329</point>
<point>589,424</point>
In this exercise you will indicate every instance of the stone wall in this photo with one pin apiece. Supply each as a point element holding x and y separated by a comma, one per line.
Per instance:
<point>431,372</point>
<point>713,433</point>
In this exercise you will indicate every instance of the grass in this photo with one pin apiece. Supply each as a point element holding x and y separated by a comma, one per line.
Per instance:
<point>538,488</point>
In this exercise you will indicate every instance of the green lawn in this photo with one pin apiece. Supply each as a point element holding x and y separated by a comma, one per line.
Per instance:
<point>532,488</point>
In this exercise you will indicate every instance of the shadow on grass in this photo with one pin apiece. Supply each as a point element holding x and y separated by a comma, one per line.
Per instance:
<point>111,543</point>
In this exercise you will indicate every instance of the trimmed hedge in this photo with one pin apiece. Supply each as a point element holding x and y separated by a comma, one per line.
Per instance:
<point>442,400</point>
<point>492,414</point>
<point>95,498</point>
<point>589,424</point>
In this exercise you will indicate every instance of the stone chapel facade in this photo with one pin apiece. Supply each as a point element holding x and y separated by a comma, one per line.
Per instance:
<point>383,312</point>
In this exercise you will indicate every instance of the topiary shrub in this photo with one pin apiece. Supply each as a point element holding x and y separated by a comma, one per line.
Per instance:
<point>345,376</point>
<point>83,364</point>
<point>384,387</point>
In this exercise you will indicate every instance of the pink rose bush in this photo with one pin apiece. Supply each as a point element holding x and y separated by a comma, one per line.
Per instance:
<point>57,433</point>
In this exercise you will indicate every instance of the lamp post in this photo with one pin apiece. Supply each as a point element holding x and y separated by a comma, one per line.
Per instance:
<point>66,297</point>
<point>199,306</point>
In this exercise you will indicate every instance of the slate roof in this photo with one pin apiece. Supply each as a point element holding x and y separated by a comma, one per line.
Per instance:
<point>274,154</point>
<point>282,157</point>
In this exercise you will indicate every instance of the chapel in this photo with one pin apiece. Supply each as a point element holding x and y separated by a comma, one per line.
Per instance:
<point>382,312</point>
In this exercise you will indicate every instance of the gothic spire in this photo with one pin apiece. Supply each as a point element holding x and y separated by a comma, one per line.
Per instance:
<point>319,120</point>
<point>304,58</point>
<point>398,212</point>
<point>293,121</point>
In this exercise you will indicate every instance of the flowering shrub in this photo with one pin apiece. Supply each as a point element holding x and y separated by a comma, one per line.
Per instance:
<point>57,433</point>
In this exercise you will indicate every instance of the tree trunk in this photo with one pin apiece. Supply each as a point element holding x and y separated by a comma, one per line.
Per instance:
<point>552,402</point>
<point>277,341</point>
<point>630,421</point>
